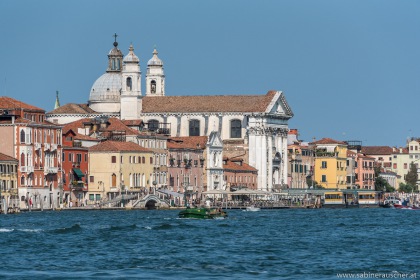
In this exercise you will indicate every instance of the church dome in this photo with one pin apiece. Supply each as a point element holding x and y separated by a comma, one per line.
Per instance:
<point>155,60</point>
<point>131,57</point>
<point>107,88</point>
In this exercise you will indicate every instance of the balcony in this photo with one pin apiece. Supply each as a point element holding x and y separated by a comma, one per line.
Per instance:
<point>47,146</point>
<point>78,186</point>
<point>27,169</point>
<point>37,146</point>
<point>50,170</point>
<point>54,147</point>
<point>158,128</point>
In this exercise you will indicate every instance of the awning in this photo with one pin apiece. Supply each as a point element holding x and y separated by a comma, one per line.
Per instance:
<point>175,194</point>
<point>216,192</point>
<point>78,172</point>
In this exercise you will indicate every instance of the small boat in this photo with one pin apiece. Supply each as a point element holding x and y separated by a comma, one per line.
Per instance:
<point>252,208</point>
<point>203,213</point>
<point>391,202</point>
<point>405,205</point>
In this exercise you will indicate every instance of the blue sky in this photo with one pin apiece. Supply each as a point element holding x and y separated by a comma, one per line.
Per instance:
<point>349,69</point>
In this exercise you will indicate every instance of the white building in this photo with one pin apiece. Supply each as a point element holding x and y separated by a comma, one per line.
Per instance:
<point>255,126</point>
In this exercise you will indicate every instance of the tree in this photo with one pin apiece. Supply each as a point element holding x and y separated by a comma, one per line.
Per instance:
<point>405,188</point>
<point>381,184</point>
<point>412,176</point>
<point>313,183</point>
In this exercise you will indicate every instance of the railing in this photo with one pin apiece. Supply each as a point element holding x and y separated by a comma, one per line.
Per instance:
<point>27,169</point>
<point>37,146</point>
<point>78,185</point>
<point>47,146</point>
<point>53,147</point>
<point>49,170</point>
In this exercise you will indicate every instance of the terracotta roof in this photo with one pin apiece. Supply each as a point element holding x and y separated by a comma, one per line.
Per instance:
<point>328,141</point>
<point>376,150</point>
<point>132,122</point>
<point>20,120</point>
<point>230,165</point>
<point>351,153</point>
<point>4,157</point>
<point>207,103</point>
<point>118,125</point>
<point>401,151</point>
<point>72,108</point>
<point>114,125</point>
<point>191,142</point>
<point>115,146</point>
<point>361,155</point>
<point>11,103</point>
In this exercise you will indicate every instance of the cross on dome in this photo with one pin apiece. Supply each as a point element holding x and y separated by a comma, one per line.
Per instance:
<point>115,42</point>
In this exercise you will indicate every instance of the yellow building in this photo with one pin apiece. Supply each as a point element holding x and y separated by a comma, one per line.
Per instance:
<point>8,182</point>
<point>119,167</point>
<point>330,163</point>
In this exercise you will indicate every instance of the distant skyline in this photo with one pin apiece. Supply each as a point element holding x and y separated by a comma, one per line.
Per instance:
<point>349,69</point>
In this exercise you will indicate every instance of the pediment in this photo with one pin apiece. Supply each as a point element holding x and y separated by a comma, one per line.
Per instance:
<point>215,140</point>
<point>279,106</point>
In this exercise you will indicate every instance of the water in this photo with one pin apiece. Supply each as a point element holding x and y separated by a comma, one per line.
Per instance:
<point>270,244</point>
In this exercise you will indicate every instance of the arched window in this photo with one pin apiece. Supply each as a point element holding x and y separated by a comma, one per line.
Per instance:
<point>235,129</point>
<point>194,128</point>
<point>22,136</point>
<point>22,160</point>
<point>153,125</point>
<point>153,86</point>
<point>129,84</point>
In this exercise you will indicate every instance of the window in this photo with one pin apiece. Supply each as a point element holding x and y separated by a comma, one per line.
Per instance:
<point>405,165</point>
<point>324,164</point>
<point>324,178</point>
<point>194,128</point>
<point>153,125</point>
<point>91,179</point>
<point>22,136</point>
<point>151,160</point>
<point>235,129</point>
<point>394,166</point>
<point>129,84</point>
<point>113,159</point>
<point>64,158</point>
<point>153,86</point>
<point>70,157</point>
<point>79,158</point>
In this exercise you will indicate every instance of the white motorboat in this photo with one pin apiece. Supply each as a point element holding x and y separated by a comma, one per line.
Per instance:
<point>252,208</point>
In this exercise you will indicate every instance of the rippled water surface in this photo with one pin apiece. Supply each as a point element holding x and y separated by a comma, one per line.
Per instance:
<point>276,244</point>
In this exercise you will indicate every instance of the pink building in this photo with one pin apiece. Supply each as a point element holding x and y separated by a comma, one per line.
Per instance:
<point>36,143</point>
<point>186,164</point>
<point>237,174</point>
<point>364,172</point>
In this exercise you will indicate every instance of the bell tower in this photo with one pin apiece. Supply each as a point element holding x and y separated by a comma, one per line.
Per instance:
<point>155,78</point>
<point>131,103</point>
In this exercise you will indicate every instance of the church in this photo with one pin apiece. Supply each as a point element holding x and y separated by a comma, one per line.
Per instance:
<point>253,127</point>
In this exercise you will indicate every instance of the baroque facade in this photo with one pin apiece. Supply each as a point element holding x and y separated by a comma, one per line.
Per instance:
<point>254,125</point>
